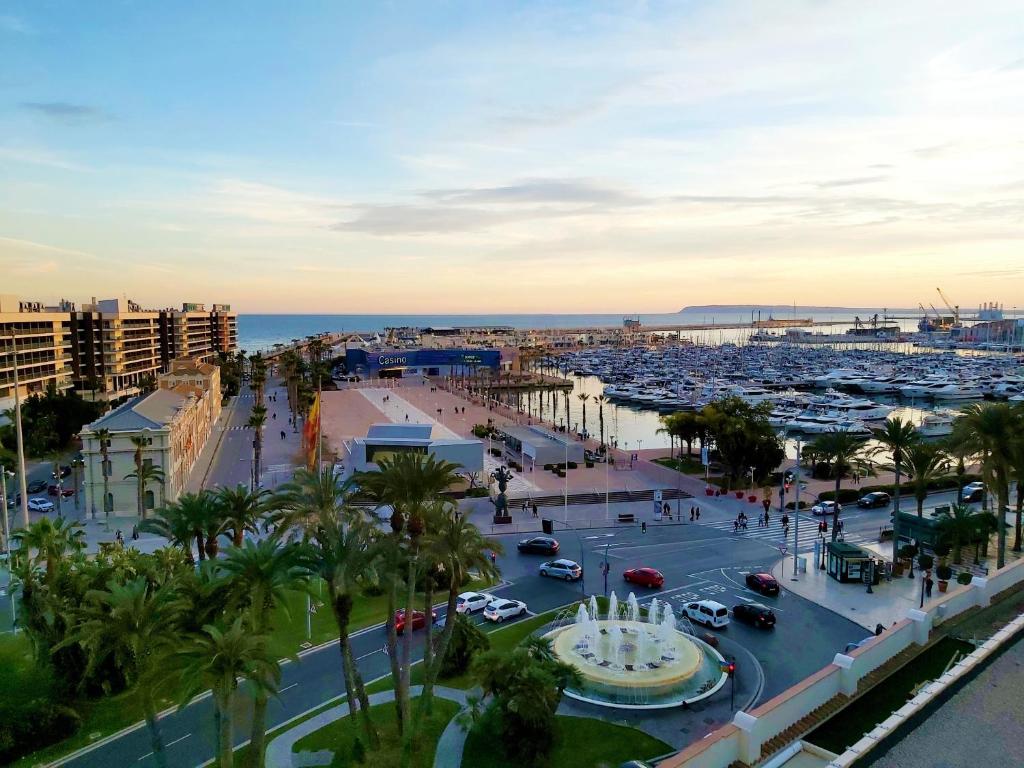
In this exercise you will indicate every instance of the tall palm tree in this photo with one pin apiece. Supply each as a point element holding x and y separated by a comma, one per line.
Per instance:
<point>242,509</point>
<point>583,397</point>
<point>844,453</point>
<point>1017,467</point>
<point>456,547</point>
<point>131,626</point>
<point>215,660</point>
<point>926,463</point>
<point>601,400</point>
<point>987,430</point>
<point>258,375</point>
<point>143,475</point>
<point>261,575</point>
<point>897,436</point>
<point>103,436</point>
<point>257,419</point>
<point>181,522</point>
<point>959,525</point>
<point>46,542</point>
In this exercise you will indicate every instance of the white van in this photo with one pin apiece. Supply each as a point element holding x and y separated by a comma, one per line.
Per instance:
<point>708,612</point>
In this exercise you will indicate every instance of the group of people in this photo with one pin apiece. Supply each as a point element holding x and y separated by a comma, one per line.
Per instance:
<point>532,506</point>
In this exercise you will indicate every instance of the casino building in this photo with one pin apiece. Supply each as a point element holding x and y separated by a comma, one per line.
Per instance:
<point>396,363</point>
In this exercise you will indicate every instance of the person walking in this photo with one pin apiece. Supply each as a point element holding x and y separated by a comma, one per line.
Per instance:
<point>928,584</point>
<point>698,513</point>
<point>766,518</point>
<point>534,507</point>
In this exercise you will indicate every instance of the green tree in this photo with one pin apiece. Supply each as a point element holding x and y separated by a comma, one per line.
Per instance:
<point>583,397</point>
<point>104,437</point>
<point>600,400</point>
<point>926,463</point>
<point>1017,467</point>
<point>743,437</point>
<point>959,525</point>
<point>897,436</point>
<point>844,453</point>
<point>47,542</point>
<point>242,509</point>
<point>257,420</point>
<point>144,473</point>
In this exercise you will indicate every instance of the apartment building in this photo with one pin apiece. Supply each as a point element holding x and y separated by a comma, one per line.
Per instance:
<point>187,333</point>
<point>116,348</point>
<point>42,337</point>
<point>173,423</point>
<point>224,326</point>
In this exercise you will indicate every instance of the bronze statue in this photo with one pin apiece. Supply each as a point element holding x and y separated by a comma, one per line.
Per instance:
<point>502,474</point>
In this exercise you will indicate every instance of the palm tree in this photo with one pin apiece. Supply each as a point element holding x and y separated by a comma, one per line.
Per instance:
<point>600,400</point>
<point>844,453</point>
<point>103,436</point>
<point>181,522</point>
<point>144,475</point>
<point>897,437</point>
<point>926,463</point>
<point>987,430</point>
<point>51,541</point>
<point>241,510</point>
<point>583,397</point>
<point>456,548</point>
<point>261,575</point>
<point>257,419</point>
<point>216,659</point>
<point>959,525</point>
<point>129,625</point>
<point>1017,467</point>
<point>258,375</point>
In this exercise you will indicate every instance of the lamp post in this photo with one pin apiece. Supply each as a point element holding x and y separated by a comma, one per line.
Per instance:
<point>4,474</point>
<point>22,480</point>
<point>76,466</point>
<point>796,512</point>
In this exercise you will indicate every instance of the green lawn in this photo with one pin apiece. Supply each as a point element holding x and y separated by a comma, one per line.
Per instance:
<point>340,736</point>
<point>688,465</point>
<point>580,742</point>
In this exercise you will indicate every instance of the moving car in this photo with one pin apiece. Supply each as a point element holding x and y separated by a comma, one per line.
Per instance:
<point>538,545</point>
<point>561,569</point>
<point>470,602</point>
<point>502,609</point>
<point>67,493</point>
<point>39,504</point>
<point>37,486</point>
<point>708,612</point>
<point>419,621</point>
<point>764,583</point>
<point>755,614</point>
<point>974,492</point>
<point>826,508</point>
<point>645,577</point>
<point>874,499</point>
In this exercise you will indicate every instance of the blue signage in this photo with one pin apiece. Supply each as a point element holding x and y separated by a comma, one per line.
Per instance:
<point>372,361</point>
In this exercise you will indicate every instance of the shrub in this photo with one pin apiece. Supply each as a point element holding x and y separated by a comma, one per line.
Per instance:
<point>33,726</point>
<point>846,495</point>
<point>477,493</point>
<point>925,562</point>
<point>572,465</point>
<point>467,640</point>
<point>792,504</point>
<point>964,577</point>
<point>944,573</point>
<point>908,551</point>
<point>373,590</point>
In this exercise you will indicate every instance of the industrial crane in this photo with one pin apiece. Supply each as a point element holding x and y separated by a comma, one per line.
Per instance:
<point>949,305</point>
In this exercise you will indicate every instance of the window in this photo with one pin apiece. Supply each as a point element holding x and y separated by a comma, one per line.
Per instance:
<point>721,612</point>
<point>150,500</point>
<point>147,462</point>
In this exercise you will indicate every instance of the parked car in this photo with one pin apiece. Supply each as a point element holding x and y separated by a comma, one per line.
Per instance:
<point>39,504</point>
<point>755,614</point>
<point>645,577</point>
<point>561,569</point>
<point>501,609</point>
<point>974,492</point>
<point>826,508</point>
<point>764,583</point>
<point>470,602</point>
<point>37,486</point>
<point>419,620</point>
<point>708,612</point>
<point>538,545</point>
<point>67,493</point>
<point>874,499</point>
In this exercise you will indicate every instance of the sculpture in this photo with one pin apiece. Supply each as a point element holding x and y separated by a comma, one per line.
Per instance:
<point>502,474</point>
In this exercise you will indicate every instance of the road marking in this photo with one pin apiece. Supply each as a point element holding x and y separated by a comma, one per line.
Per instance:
<point>287,687</point>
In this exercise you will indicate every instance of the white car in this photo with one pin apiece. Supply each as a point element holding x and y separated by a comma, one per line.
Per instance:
<point>561,569</point>
<point>39,504</point>
<point>502,609</point>
<point>826,508</point>
<point>708,612</point>
<point>470,602</point>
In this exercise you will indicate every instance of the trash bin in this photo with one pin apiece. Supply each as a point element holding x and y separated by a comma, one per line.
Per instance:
<point>801,565</point>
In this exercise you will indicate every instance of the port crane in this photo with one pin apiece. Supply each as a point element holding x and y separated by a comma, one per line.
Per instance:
<point>949,305</point>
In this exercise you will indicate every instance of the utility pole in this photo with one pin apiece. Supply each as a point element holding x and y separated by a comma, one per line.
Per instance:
<point>796,513</point>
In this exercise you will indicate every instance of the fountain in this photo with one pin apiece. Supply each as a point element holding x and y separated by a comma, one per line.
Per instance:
<point>631,663</point>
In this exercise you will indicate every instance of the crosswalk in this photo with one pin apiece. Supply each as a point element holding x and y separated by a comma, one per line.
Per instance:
<point>773,533</point>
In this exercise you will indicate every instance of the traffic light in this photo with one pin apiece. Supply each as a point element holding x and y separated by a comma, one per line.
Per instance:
<point>728,667</point>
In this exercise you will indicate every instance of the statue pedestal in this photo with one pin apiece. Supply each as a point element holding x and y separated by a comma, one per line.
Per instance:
<point>503,519</point>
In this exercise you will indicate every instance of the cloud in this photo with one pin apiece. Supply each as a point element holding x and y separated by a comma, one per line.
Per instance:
<point>850,182</point>
<point>38,156</point>
<point>539,191</point>
<point>10,23</point>
<point>65,112</point>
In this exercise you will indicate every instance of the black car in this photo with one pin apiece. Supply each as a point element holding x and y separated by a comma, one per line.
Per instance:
<point>755,614</point>
<point>875,499</point>
<point>37,486</point>
<point>538,545</point>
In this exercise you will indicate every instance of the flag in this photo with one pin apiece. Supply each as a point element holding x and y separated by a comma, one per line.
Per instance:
<point>311,432</point>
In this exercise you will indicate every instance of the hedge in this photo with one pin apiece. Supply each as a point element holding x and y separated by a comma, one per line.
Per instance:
<point>949,482</point>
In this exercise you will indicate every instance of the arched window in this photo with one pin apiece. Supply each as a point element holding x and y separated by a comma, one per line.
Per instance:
<point>108,503</point>
<point>150,500</point>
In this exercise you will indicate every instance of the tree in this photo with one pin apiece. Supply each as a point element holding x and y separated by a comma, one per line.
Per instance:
<point>926,463</point>
<point>959,525</point>
<point>181,522</point>
<point>144,473</point>
<point>51,541</point>
<point>987,431</point>
<point>896,436</point>
<point>241,510</point>
<point>466,642</point>
<point>600,400</point>
<point>743,437</point>
<point>216,659</point>
<point>257,419</point>
<point>103,436</point>
<point>260,576</point>
<point>844,453</point>
<point>583,397</point>
<point>1017,467</point>
<point>258,375</point>
<point>130,625</point>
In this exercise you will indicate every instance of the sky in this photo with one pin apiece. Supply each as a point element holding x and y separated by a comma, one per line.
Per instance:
<point>512,156</point>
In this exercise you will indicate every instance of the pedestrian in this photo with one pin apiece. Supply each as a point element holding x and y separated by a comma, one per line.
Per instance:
<point>273,415</point>
<point>928,584</point>
<point>534,507</point>
<point>785,530</point>
<point>760,521</point>
<point>785,521</point>
<point>282,434</point>
<point>698,513</point>
<point>135,533</point>
<point>736,525</point>
<point>691,513</point>
<point>494,557</point>
<point>766,517</point>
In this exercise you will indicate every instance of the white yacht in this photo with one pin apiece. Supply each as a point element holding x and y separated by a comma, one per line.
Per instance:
<point>938,424</point>
<point>957,390</point>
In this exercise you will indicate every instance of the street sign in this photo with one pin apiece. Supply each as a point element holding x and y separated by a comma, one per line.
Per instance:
<point>704,458</point>
<point>783,548</point>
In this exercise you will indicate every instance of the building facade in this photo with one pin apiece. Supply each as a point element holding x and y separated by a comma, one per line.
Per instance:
<point>420,362</point>
<point>173,423</point>
<point>116,350</point>
<point>42,337</point>
<point>363,454</point>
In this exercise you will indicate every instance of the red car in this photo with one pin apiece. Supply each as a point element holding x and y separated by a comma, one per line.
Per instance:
<point>67,493</point>
<point>418,620</point>
<point>764,583</point>
<point>644,577</point>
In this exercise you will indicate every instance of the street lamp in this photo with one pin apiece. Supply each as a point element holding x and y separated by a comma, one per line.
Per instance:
<point>796,511</point>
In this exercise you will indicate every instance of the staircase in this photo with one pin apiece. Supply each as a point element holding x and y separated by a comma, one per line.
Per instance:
<point>595,497</point>
<point>805,725</point>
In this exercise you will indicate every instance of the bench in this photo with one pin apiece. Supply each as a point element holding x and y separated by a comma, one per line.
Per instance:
<point>626,517</point>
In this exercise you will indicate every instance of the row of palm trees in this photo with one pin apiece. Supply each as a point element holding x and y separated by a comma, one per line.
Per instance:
<point>208,625</point>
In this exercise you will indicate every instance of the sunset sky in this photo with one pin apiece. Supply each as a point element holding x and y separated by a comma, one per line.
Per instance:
<point>510,156</point>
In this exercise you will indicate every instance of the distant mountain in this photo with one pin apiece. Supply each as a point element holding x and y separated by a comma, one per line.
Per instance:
<point>787,309</point>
